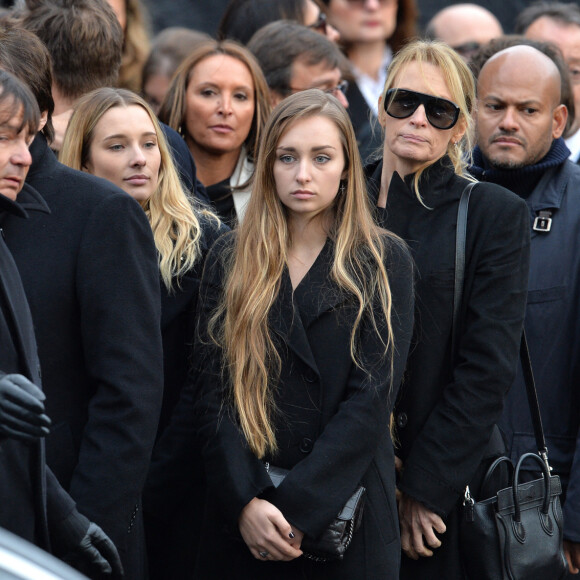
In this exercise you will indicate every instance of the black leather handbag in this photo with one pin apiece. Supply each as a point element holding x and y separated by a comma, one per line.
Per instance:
<point>336,538</point>
<point>517,532</point>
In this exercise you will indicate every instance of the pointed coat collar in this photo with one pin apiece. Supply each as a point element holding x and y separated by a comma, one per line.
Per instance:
<point>434,184</point>
<point>28,200</point>
<point>294,311</point>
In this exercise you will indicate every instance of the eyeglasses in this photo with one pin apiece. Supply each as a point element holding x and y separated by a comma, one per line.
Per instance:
<point>361,3</point>
<point>574,75</point>
<point>342,86</point>
<point>441,113</point>
<point>320,23</point>
<point>467,49</point>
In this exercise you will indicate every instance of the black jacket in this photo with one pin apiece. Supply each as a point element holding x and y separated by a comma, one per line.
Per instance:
<point>174,491</point>
<point>26,486</point>
<point>553,333</point>
<point>445,415</point>
<point>178,307</point>
<point>368,131</point>
<point>331,426</point>
<point>91,276</point>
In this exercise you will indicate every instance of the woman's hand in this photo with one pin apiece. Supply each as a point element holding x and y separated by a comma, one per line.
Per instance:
<point>267,533</point>
<point>418,527</point>
<point>572,552</point>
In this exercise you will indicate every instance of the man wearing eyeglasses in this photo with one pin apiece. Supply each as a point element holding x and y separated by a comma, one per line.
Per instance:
<point>295,58</point>
<point>464,27</point>
<point>559,24</point>
<point>520,122</point>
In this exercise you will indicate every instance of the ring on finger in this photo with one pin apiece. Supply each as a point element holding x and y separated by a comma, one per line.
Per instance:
<point>263,554</point>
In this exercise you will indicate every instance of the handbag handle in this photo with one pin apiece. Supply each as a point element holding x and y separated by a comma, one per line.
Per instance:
<point>494,466</point>
<point>547,486</point>
<point>460,239</point>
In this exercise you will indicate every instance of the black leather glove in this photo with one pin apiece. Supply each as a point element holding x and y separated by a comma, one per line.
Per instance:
<point>22,409</point>
<point>99,551</point>
<point>91,552</point>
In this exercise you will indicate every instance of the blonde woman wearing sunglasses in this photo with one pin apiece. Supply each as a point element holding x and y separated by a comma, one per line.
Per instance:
<point>450,401</point>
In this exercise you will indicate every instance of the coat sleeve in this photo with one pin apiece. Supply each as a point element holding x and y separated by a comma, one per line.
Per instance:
<point>119,302</point>
<point>317,487</point>
<point>447,451</point>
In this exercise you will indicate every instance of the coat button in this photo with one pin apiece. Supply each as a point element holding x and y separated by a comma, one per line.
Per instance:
<point>306,445</point>
<point>402,420</point>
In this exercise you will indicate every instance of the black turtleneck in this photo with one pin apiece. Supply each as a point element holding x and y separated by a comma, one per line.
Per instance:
<point>521,181</point>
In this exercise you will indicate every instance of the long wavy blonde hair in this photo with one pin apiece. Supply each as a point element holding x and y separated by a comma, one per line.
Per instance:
<point>240,323</point>
<point>170,210</point>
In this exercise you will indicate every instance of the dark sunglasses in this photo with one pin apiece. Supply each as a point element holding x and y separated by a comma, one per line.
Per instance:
<point>320,24</point>
<point>401,103</point>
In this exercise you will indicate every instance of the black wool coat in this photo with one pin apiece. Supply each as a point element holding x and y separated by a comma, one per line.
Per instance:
<point>332,426</point>
<point>445,415</point>
<point>172,522</point>
<point>32,503</point>
<point>90,272</point>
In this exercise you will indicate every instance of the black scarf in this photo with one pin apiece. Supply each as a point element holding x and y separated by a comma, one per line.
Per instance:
<point>523,180</point>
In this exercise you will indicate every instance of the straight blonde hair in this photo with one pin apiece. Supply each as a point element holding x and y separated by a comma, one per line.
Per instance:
<point>170,210</point>
<point>255,269</point>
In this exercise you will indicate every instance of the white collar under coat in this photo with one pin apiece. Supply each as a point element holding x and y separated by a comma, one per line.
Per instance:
<point>242,173</point>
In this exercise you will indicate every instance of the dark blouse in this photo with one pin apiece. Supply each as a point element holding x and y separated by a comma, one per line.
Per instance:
<point>220,195</point>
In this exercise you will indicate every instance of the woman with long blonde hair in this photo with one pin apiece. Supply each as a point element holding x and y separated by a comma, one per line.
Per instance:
<point>114,134</point>
<point>305,319</point>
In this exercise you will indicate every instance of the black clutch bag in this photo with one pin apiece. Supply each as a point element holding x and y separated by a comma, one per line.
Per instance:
<point>332,543</point>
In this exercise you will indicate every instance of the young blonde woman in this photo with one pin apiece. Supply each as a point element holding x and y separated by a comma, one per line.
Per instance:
<point>219,101</point>
<point>114,134</point>
<point>305,319</point>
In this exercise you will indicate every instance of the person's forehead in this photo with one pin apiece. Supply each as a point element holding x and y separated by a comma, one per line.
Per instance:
<point>520,72</point>
<point>11,113</point>
<point>306,76</point>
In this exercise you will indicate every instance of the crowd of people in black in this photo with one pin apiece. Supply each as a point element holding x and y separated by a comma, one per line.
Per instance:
<point>230,252</point>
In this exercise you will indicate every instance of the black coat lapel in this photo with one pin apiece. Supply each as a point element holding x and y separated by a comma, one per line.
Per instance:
<point>294,311</point>
<point>287,324</point>
<point>17,305</point>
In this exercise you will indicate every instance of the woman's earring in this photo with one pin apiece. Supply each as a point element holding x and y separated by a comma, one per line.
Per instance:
<point>341,189</point>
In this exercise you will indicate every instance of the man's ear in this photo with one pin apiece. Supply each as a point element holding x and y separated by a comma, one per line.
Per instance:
<point>275,97</point>
<point>43,120</point>
<point>560,117</point>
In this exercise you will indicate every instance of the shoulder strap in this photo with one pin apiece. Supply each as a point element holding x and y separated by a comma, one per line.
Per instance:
<point>533,399</point>
<point>460,237</point>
